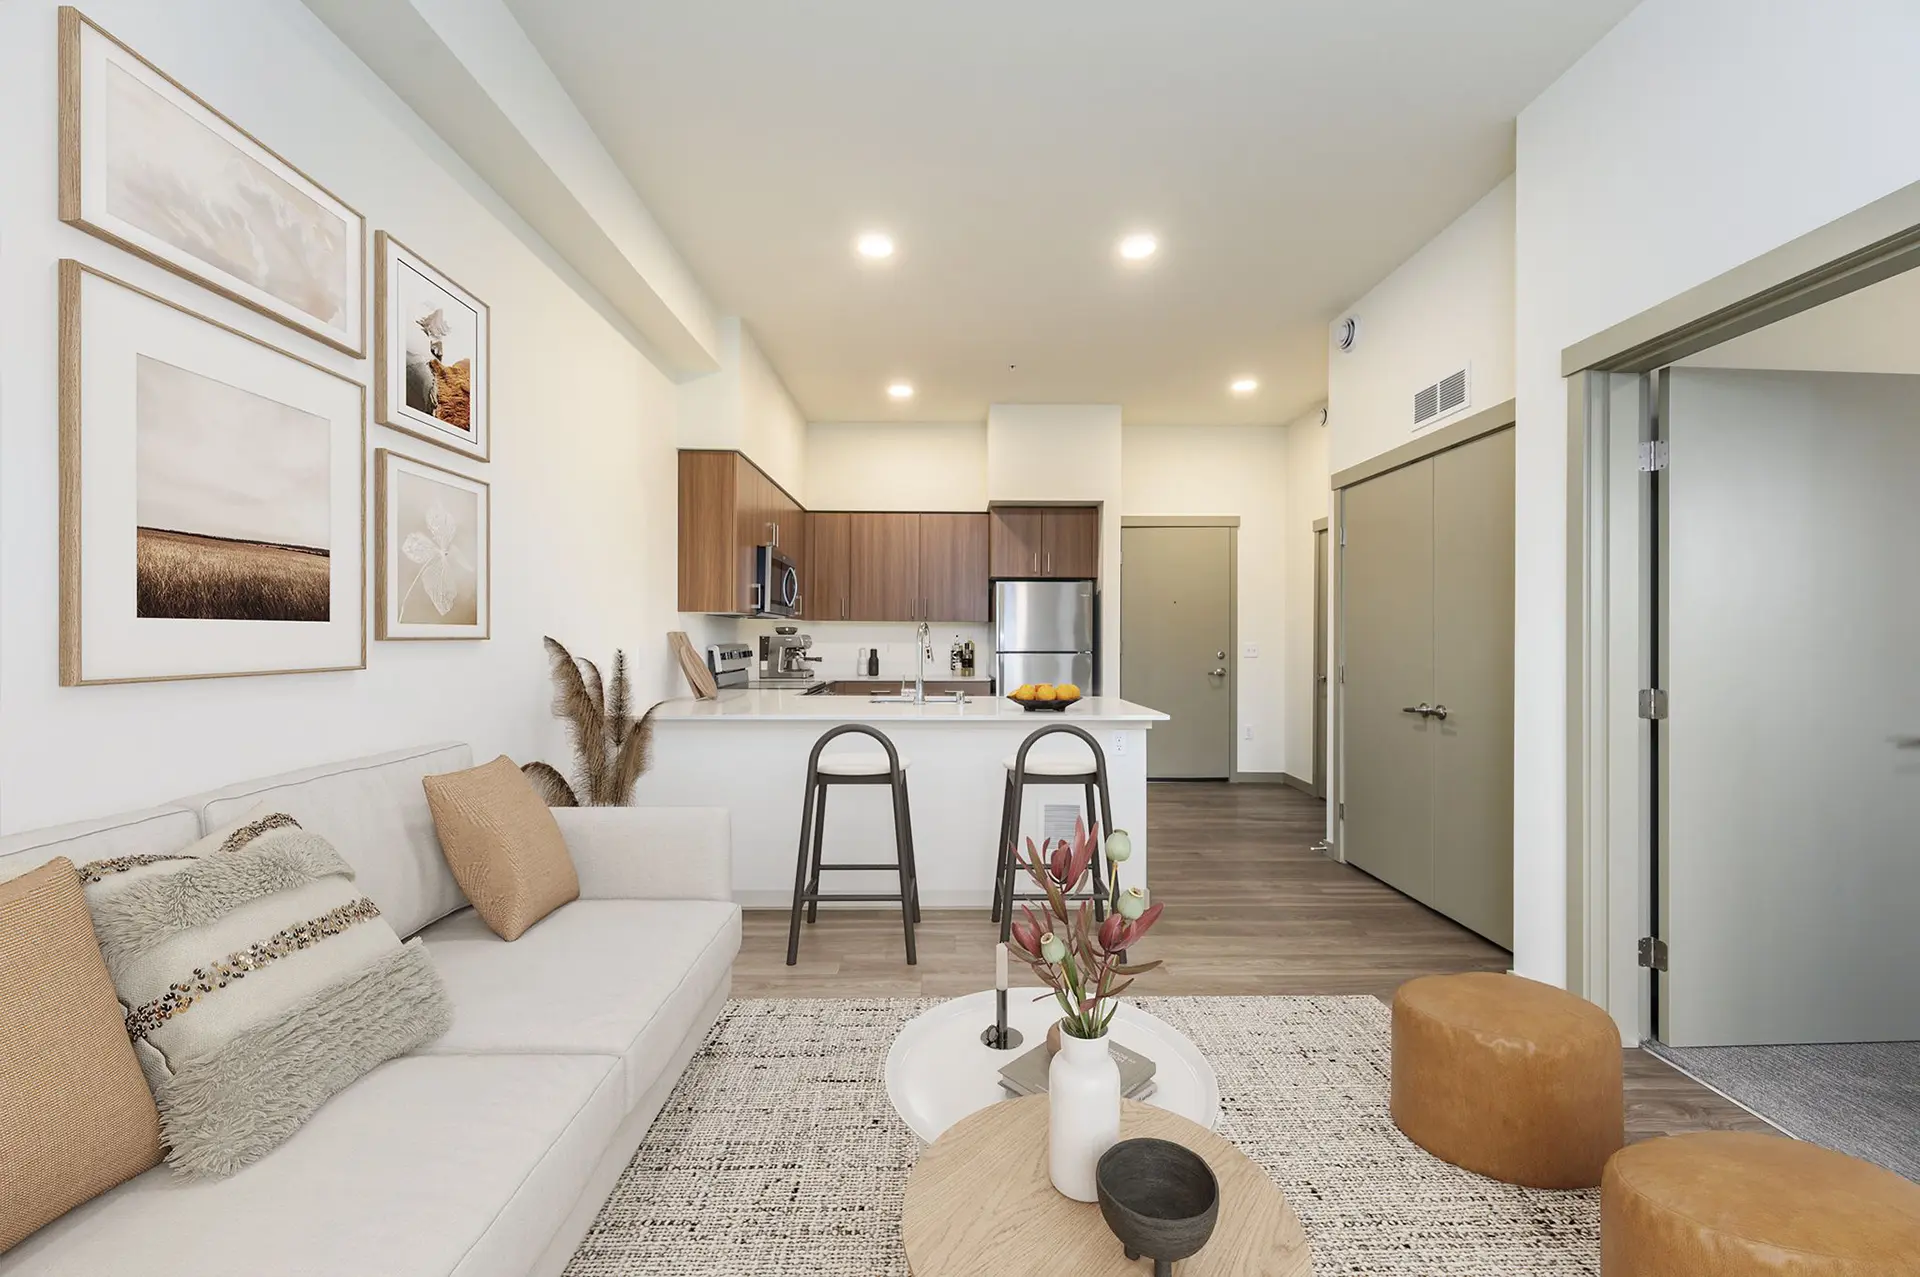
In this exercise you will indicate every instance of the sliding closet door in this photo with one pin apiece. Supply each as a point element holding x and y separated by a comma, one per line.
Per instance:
<point>1473,683</point>
<point>1387,643</point>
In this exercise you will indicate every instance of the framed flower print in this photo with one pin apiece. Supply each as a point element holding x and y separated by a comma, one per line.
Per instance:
<point>432,551</point>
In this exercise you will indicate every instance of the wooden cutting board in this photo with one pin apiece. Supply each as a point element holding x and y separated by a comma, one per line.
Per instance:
<point>699,677</point>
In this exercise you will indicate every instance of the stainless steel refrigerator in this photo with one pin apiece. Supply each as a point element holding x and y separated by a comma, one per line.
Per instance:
<point>1043,632</point>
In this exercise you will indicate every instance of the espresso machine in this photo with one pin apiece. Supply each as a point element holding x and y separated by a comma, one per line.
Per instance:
<point>784,658</point>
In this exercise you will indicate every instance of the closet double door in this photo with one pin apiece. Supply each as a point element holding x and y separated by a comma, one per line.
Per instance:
<point>1427,643</point>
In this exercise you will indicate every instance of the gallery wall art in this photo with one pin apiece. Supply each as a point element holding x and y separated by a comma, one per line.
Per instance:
<point>432,551</point>
<point>431,352</point>
<point>212,496</point>
<point>147,165</point>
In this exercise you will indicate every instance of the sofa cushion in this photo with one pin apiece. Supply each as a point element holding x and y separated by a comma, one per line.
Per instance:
<point>156,831</point>
<point>430,1165</point>
<point>373,811</point>
<point>501,841</point>
<point>621,977</point>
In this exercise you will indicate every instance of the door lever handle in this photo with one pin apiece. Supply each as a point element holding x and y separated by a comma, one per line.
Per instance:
<point>1219,673</point>
<point>1906,742</point>
<point>1423,709</point>
<point>1439,712</point>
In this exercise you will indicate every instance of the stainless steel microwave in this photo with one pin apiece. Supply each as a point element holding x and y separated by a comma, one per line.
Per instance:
<point>776,583</point>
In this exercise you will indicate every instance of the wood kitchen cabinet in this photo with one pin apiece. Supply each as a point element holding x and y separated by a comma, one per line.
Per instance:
<point>826,586</point>
<point>885,565</point>
<point>953,567</point>
<point>1045,541</point>
<point>728,507</point>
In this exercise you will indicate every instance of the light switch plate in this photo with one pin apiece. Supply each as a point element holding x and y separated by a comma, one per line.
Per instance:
<point>1246,732</point>
<point>1253,651</point>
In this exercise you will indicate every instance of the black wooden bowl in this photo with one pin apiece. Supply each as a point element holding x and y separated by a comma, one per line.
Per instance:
<point>1160,1199</point>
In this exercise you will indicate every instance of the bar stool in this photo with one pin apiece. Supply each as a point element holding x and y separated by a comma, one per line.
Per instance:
<point>865,767</point>
<point>1023,771</point>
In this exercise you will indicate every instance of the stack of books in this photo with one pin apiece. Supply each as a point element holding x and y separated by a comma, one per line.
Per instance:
<point>1028,1074</point>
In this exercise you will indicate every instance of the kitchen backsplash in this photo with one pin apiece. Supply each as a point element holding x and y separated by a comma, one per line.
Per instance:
<point>841,645</point>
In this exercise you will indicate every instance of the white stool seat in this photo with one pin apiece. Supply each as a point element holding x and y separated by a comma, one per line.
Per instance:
<point>863,763</point>
<point>1052,765</point>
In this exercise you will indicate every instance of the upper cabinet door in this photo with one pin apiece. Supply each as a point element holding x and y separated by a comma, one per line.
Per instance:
<point>826,587</point>
<point>885,561</point>
<point>709,532</point>
<point>1072,545</point>
<point>953,567</point>
<point>1017,540</point>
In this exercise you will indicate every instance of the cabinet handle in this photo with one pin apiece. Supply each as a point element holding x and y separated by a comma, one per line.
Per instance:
<point>1049,562</point>
<point>1036,563</point>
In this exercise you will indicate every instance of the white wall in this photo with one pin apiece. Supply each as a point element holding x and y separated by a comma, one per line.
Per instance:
<point>1067,453</point>
<point>745,406</point>
<point>1307,500</point>
<point>1697,135</point>
<point>894,465</point>
<point>583,470</point>
<point>1448,306</point>
<point>1239,470</point>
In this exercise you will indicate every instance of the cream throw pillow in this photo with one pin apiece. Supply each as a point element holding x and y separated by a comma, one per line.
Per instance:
<point>258,981</point>
<point>76,1118</point>
<point>503,845</point>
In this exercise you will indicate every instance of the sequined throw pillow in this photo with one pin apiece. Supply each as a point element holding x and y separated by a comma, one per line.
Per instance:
<point>257,981</point>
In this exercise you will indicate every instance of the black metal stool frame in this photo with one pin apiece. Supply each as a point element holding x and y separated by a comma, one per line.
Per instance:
<point>813,816</point>
<point>1008,864</point>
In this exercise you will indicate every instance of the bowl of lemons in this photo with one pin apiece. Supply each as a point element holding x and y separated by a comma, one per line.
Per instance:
<point>1044,696</point>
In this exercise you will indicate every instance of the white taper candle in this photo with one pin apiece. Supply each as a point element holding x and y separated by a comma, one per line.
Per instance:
<point>1000,965</point>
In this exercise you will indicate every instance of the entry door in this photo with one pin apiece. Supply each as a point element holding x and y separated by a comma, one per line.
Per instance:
<point>1387,640</point>
<point>1176,641</point>
<point>1790,850</point>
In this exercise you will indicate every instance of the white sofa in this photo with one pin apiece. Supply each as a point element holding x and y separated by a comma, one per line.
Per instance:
<point>491,1151</point>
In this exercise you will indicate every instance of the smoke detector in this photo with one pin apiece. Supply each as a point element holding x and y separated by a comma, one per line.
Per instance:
<point>1346,333</point>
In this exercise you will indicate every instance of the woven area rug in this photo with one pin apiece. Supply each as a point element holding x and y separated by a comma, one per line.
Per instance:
<point>778,1152</point>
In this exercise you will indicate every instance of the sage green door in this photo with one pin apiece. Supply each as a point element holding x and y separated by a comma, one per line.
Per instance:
<point>1176,645</point>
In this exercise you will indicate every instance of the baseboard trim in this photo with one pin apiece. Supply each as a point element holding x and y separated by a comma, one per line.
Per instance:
<point>1259,778</point>
<point>1304,786</point>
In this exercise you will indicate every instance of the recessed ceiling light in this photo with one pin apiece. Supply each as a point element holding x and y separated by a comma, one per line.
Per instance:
<point>1138,246</point>
<point>875,245</point>
<point>1244,386</point>
<point>900,390</point>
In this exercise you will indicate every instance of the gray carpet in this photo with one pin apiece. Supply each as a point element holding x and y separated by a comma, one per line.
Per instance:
<point>1861,1098</point>
<point>778,1152</point>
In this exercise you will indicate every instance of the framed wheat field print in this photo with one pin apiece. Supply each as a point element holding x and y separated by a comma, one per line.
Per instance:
<point>212,496</point>
<point>431,353</point>
<point>433,569</point>
<point>147,165</point>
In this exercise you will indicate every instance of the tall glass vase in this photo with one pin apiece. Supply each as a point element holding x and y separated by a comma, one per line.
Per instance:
<point>1083,1119</point>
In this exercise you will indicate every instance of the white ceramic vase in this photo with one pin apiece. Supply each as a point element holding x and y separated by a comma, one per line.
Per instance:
<point>1083,1113</point>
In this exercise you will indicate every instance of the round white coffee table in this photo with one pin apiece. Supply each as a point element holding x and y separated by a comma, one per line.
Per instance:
<point>939,1070</point>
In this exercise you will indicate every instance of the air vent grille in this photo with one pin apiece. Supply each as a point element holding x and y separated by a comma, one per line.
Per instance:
<point>1442,399</point>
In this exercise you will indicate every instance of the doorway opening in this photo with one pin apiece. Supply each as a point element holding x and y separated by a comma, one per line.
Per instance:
<point>1179,612</point>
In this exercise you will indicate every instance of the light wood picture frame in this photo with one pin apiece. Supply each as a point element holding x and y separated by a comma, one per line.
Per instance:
<point>166,176</point>
<point>212,496</point>
<point>432,353</point>
<point>433,551</point>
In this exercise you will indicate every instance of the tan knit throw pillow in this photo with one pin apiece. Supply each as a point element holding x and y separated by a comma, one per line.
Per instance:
<point>76,1117</point>
<point>503,845</point>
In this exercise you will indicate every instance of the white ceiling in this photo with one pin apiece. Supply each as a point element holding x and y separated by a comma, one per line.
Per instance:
<point>1288,154</point>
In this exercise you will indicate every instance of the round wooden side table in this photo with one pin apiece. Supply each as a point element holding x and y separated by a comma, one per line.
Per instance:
<point>979,1201</point>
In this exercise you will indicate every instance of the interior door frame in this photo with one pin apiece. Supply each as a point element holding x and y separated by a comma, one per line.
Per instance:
<point>1612,806</point>
<point>1231,522</point>
<point>1500,416</point>
<point>1322,661</point>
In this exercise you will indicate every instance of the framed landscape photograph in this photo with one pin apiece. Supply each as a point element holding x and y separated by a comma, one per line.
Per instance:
<point>212,498</point>
<point>432,576</point>
<point>148,166</point>
<point>430,352</point>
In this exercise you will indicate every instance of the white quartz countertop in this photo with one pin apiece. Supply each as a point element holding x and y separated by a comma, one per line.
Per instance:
<point>774,705</point>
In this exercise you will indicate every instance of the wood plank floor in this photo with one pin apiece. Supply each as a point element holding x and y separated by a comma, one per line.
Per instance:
<point>1251,909</point>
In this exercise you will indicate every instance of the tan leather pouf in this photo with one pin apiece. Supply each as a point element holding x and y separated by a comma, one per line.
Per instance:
<point>1734,1204</point>
<point>1508,1077</point>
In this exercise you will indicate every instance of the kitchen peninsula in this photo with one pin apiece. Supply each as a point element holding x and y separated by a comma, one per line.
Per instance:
<point>747,751</point>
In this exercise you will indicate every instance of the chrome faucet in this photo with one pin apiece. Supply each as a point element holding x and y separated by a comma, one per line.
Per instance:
<point>920,663</point>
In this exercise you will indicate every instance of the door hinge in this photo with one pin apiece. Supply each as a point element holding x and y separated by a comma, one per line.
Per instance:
<point>1653,953</point>
<point>1653,456</point>
<point>1653,703</point>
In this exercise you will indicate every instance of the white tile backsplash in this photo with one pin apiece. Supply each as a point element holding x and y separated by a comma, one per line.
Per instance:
<point>841,646</point>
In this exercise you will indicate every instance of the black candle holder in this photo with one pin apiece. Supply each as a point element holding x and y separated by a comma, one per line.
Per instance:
<point>1000,1035</point>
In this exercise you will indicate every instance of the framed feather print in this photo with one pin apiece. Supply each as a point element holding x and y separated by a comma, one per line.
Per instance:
<point>150,167</point>
<point>432,551</point>
<point>431,353</point>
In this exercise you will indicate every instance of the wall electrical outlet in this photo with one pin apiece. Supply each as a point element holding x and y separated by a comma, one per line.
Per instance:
<point>1119,744</point>
<point>1253,651</point>
<point>1246,732</point>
